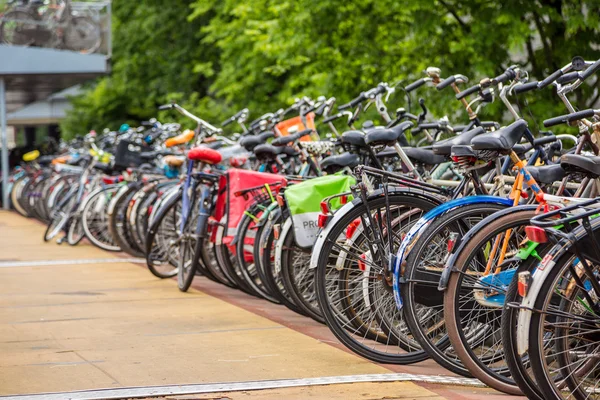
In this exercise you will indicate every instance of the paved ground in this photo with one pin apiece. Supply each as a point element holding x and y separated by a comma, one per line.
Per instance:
<point>91,320</point>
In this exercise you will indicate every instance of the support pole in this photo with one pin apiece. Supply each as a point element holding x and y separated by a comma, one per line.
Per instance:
<point>4,133</point>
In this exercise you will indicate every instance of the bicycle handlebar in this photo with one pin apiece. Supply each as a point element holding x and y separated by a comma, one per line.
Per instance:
<point>592,69</point>
<point>353,103</point>
<point>505,76</point>
<point>551,78</point>
<point>466,92</point>
<point>576,116</point>
<point>415,85</point>
<point>234,117</point>
<point>526,87</point>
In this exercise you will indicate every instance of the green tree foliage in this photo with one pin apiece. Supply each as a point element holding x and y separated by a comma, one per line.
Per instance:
<point>218,56</point>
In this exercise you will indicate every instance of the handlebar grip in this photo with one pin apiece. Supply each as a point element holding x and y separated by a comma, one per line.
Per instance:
<point>333,118</point>
<point>353,103</point>
<point>592,69</point>
<point>545,140</point>
<point>568,78</point>
<point>446,82</point>
<point>551,78</point>
<point>466,92</point>
<point>563,119</point>
<point>508,74</point>
<point>321,109</point>
<point>433,125</point>
<point>228,121</point>
<point>415,85</point>
<point>526,87</point>
<point>165,107</point>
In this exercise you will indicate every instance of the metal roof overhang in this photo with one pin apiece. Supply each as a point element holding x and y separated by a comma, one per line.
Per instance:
<point>32,74</point>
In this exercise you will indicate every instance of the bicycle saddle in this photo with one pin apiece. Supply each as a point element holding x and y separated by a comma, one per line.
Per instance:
<point>45,160</point>
<point>462,150</point>
<point>354,138</point>
<point>250,142</point>
<point>577,163</point>
<point>335,163</point>
<point>267,151</point>
<point>501,140</point>
<point>377,137</point>
<point>205,155</point>
<point>444,147</point>
<point>173,161</point>
<point>547,174</point>
<point>424,156</point>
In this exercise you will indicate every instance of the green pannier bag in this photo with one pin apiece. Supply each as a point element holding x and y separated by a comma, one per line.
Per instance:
<point>304,203</point>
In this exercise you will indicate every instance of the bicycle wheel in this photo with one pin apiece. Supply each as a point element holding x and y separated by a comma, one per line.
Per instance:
<point>95,220</point>
<point>357,254</point>
<point>75,233</point>
<point>227,260</point>
<point>246,240</point>
<point>119,229</point>
<point>15,196</point>
<point>422,301</point>
<point>83,35</point>
<point>566,323</point>
<point>268,271</point>
<point>297,277</point>
<point>474,298</point>
<point>16,28</point>
<point>162,239</point>
<point>60,217</point>
<point>518,364</point>
<point>192,229</point>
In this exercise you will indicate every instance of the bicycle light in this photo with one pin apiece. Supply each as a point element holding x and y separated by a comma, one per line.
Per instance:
<point>536,234</point>
<point>280,200</point>
<point>524,283</point>
<point>276,230</point>
<point>325,207</point>
<point>323,220</point>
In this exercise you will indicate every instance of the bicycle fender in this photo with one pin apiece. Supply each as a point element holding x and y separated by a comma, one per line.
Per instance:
<point>113,201</point>
<point>419,227</point>
<point>538,277</point>
<point>346,208</point>
<point>462,242</point>
<point>203,212</point>
<point>285,230</point>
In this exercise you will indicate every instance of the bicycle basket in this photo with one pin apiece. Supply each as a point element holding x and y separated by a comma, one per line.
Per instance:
<point>232,206</point>
<point>295,125</point>
<point>128,154</point>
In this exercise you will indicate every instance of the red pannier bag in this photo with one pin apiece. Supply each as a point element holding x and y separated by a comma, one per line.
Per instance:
<point>230,208</point>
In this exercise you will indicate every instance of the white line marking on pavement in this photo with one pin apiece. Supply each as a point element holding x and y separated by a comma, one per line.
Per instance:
<point>150,391</point>
<point>47,263</point>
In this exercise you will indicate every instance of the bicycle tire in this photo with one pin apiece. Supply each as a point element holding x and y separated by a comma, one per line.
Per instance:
<point>493,378</point>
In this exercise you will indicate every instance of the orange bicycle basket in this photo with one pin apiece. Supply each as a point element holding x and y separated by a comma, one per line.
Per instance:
<point>293,125</point>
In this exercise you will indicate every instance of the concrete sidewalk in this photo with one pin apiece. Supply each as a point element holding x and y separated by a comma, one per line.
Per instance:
<point>98,324</point>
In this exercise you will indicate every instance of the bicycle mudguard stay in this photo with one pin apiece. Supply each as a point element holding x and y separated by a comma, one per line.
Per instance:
<point>346,208</point>
<point>462,242</point>
<point>420,226</point>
